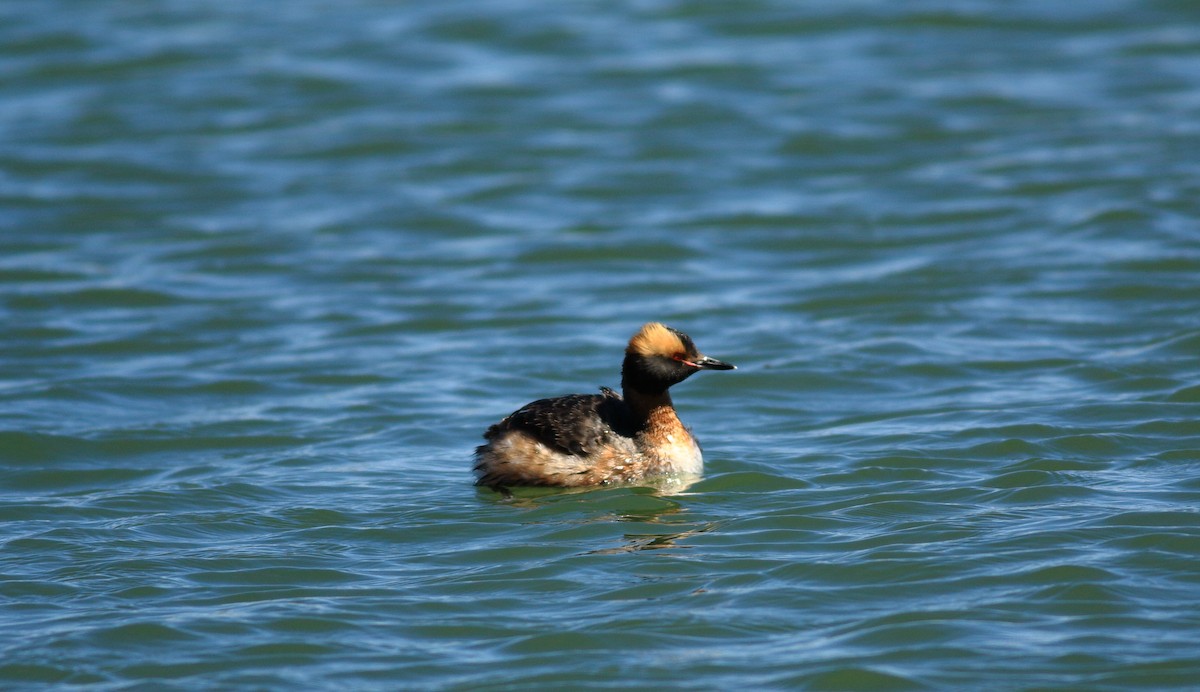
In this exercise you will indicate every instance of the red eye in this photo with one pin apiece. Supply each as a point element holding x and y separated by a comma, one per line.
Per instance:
<point>682,358</point>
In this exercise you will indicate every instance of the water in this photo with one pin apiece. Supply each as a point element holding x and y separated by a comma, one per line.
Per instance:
<point>267,271</point>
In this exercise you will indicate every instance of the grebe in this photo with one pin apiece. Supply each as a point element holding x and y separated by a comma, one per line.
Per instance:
<point>600,439</point>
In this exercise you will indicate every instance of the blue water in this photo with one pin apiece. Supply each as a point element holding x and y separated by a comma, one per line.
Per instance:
<point>267,271</point>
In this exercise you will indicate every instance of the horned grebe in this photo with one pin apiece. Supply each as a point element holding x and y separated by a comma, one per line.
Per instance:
<point>598,439</point>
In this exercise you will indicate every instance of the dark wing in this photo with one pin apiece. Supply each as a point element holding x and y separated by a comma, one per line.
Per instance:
<point>578,424</point>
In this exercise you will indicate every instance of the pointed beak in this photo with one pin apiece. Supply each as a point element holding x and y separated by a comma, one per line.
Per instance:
<point>706,363</point>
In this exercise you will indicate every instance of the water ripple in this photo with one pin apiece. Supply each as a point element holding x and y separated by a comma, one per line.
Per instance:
<point>268,271</point>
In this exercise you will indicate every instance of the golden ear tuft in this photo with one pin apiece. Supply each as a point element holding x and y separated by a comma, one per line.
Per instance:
<point>655,339</point>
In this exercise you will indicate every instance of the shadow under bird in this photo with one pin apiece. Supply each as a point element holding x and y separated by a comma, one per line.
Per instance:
<point>606,438</point>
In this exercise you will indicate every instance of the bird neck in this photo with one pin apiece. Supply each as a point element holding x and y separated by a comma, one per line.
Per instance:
<point>647,405</point>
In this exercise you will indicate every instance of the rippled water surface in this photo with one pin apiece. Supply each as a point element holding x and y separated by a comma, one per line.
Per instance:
<point>267,270</point>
